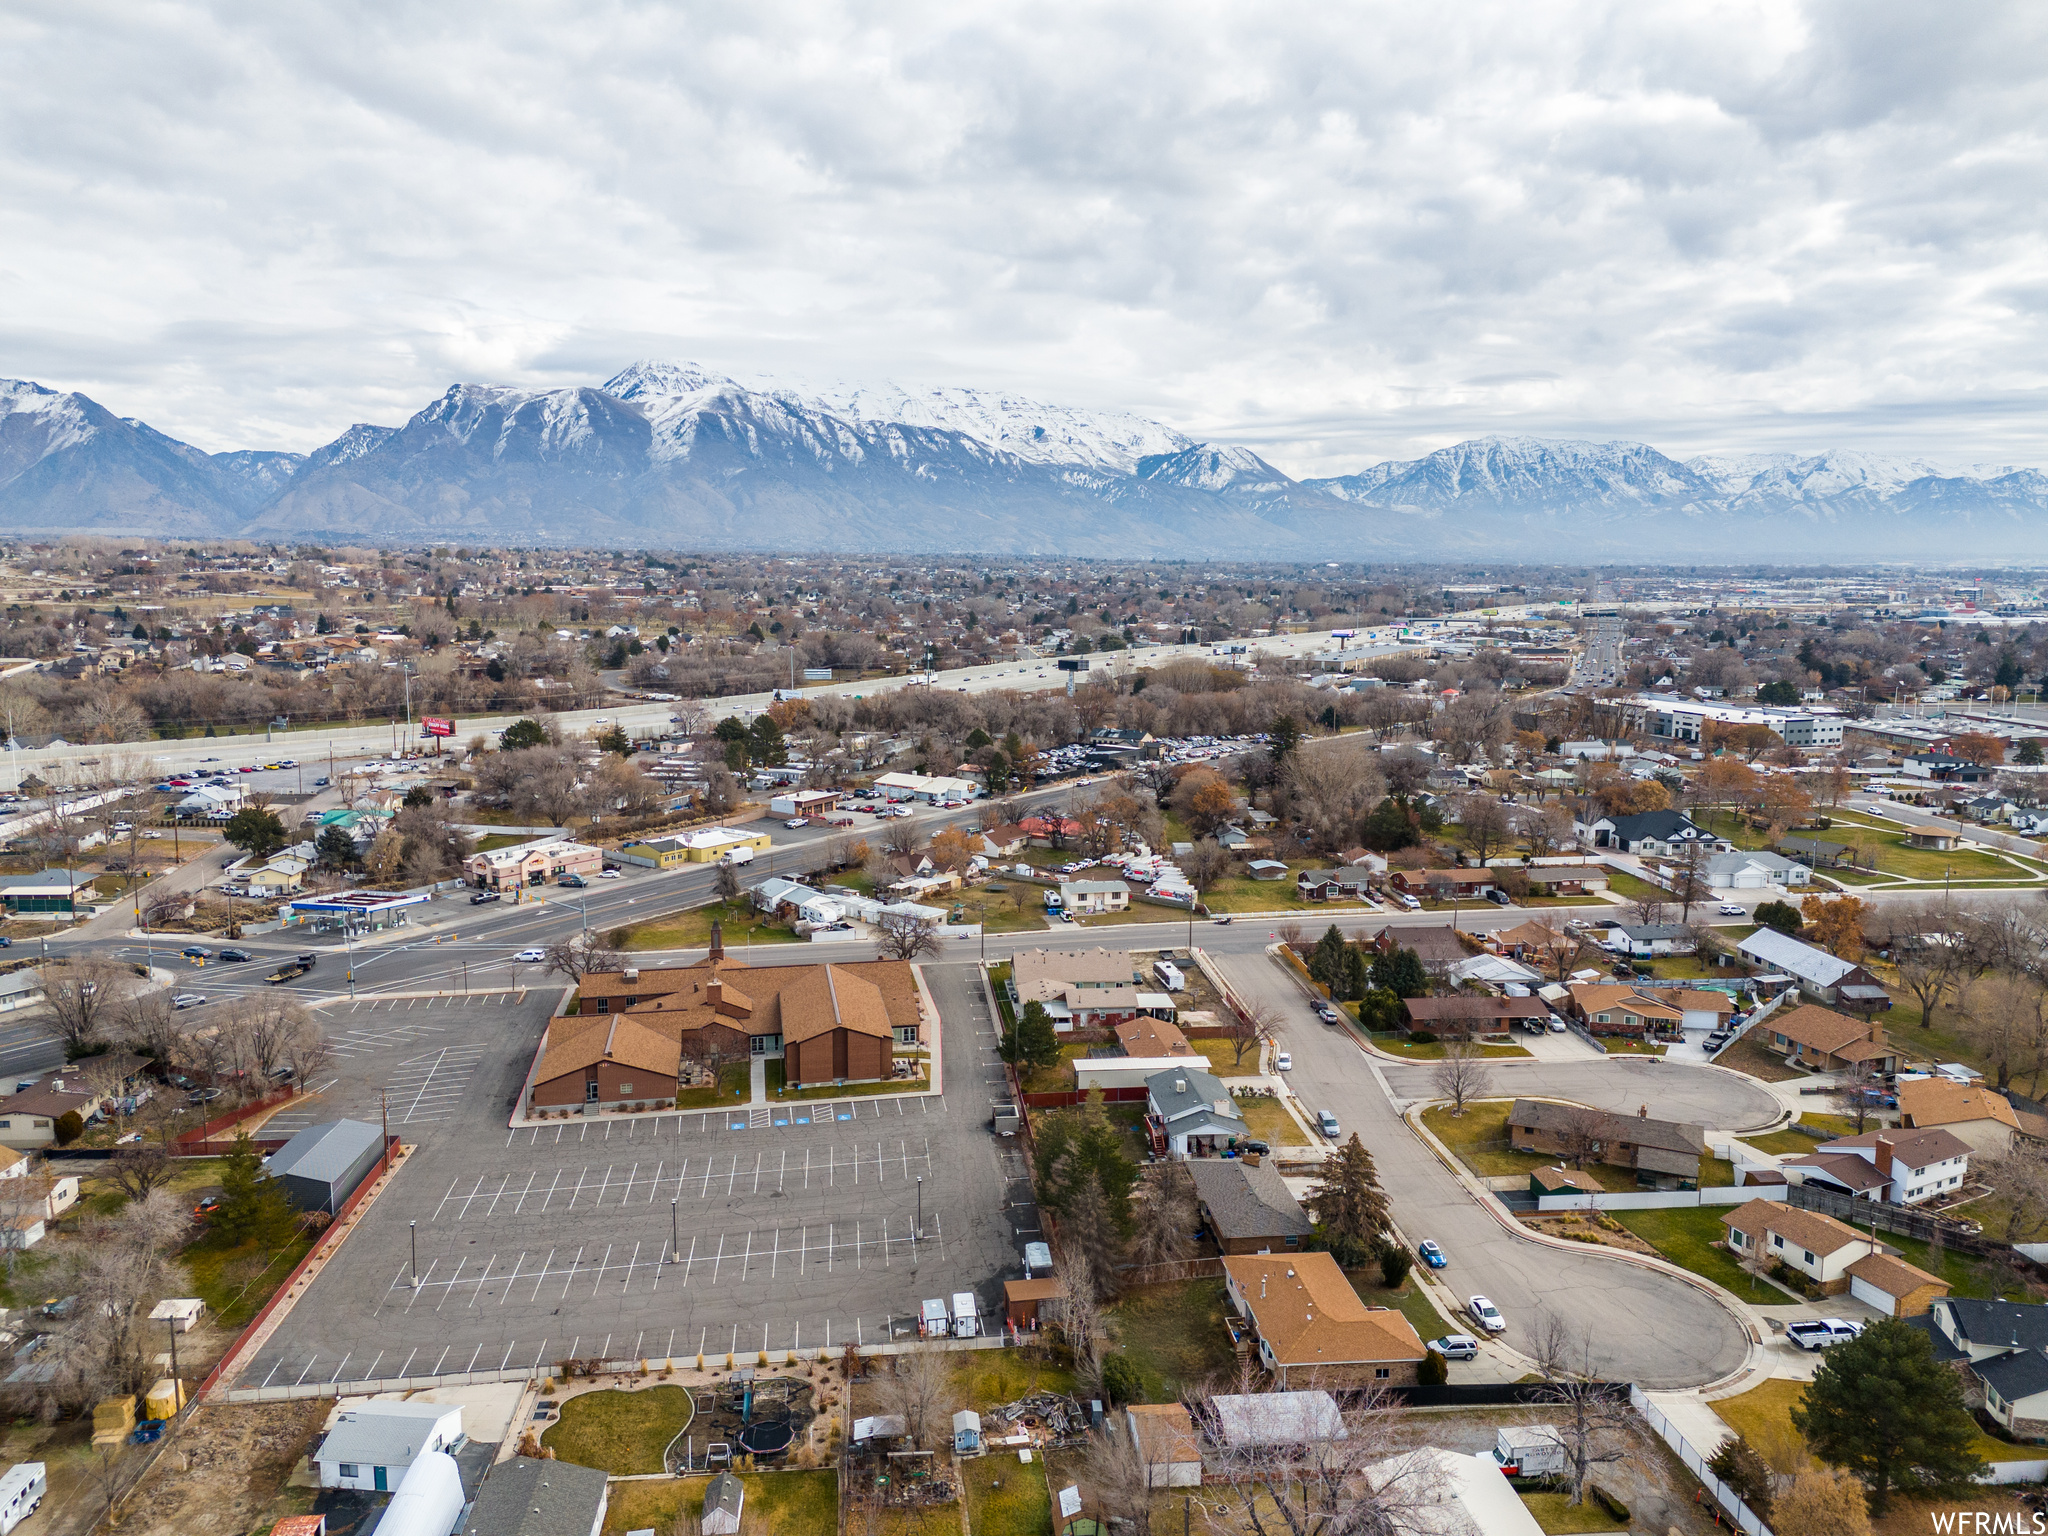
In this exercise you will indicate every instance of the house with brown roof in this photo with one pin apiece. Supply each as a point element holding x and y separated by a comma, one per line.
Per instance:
<point>1968,1111</point>
<point>1658,1152</point>
<point>1311,1326</point>
<point>607,1062</point>
<point>1819,1247</point>
<point>1825,1041</point>
<point>1621,1010</point>
<point>1247,1206</point>
<point>1436,947</point>
<point>1152,1038</point>
<point>1894,1287</point>
<point>1462,1015</point>
<point>1901,1166</point>
<point>1464,883</point>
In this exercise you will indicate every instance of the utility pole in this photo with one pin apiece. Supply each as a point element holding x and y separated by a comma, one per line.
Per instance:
<point>675,1246</point>
<point>177,1386</point>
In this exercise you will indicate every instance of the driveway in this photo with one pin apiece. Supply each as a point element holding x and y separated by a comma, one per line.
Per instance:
<point>1641,1325</point>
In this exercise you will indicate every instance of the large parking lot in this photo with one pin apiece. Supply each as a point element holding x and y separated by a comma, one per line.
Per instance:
<point>790,1226</point>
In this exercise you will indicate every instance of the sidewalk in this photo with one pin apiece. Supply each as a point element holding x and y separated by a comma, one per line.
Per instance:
<point>758,1077</point>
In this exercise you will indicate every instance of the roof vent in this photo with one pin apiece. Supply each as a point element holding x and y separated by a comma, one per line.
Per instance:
<point>1180,1085</point>
<point>630,973</point>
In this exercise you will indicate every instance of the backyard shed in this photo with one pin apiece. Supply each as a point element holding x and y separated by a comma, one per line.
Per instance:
<point>725,1500</point>
<point>1024,1301</point>
<point>966,1433</point>
<point>323,1164</point>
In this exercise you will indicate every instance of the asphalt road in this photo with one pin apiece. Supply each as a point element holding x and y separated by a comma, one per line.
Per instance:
<point>1639,1325</point>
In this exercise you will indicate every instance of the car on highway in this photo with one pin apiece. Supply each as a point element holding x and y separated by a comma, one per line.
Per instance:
<point>1326,1123</point>
<point>1282,1062</point>
<point>1455,1346</point>
<point>1732,909</point>
<point>1432,1255</point>
<point>236,956</point>
<point>196,952</point>
<point>485,896</point>
<point>531,955</point>
<point>1486,1315</point>
<point>1221,922</point>
<point>188,1000</point>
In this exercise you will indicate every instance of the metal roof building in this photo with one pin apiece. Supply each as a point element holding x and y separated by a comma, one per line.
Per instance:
<point>323,1164</point>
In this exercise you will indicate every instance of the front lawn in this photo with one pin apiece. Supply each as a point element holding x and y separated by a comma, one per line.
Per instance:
<point>617,1431</point>
<point>1175,1335</point>
<point>1220,1054</point>
<point>1411,1301</point>
<point>1005,1497</point>
<point>1790,1141</point>
<point>1479,1139</point>
<point>779,1094</point>
<point>1268,1120</point>
<point>1763,1417</point>
<point>741,926</point>
<point>734,1079</point>
<point>1622,883</point>
<point>1554,1512</point>
<point>1409,1050</point>
<point>1686,1236</point>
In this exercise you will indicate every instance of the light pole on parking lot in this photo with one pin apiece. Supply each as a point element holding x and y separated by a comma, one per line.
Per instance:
<point>675,1242</point>
<point>415,1255</point>
<point>920,1205</point>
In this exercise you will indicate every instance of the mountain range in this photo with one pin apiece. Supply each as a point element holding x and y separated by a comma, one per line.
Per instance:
<point>671,455</point>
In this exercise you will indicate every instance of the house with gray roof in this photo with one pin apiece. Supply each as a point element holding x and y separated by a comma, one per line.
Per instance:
<point>528,1497</point>
<point>372,1444</point>
<point>1192,1112</point>
<point>1753,870</point>
<point>1824,977</point>
<point>1248,1207</point>
<point>1662,1153</point>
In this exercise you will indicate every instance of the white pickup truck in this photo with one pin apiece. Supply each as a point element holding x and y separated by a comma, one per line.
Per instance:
<point>1821,1332</point>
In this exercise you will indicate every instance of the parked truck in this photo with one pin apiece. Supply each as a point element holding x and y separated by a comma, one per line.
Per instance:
<point>1821,1333</point>
<point>1528,1451</point>
<point>966,1315</point>
<point>22,1487</point>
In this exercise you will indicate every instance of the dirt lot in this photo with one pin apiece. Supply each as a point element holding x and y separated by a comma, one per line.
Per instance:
<point>224,1471</point>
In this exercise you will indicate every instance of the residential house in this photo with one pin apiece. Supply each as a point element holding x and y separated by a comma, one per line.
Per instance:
<point>1086,989</point>
<point>1463,1015</point>
<point>1310,1323</point>
<point>28,1118</point>
<point>1984,1120</point>
<point>1898,1167</point>
<point>1333,885</point>
<point>1150,1038</point>
<point>1266,869</point>
<point>1666,834</point>
<point>1940,768</point>
<point>1825,1041</point>
<point>1813,852</point>
<point>1192,1112</point>
<point>1438,948</point>
<point>1095,896</point>
<point>1822,976</point>
<point>1164,1434</point>
<point>1461,884</point>
<point>1701,1010</point>
<point>1740,870</point>
<point>1247,1207</point>
<point>1659,1152</point>
<point>1623,1010</point>
<point>1567,879</point>
<point>2001,1349</point>
<point>999,842</point>
<point>794,902</point>
<point>1646,941</point>
<point>1819,1247</point>
<point>54,892</point>
<point>530,864</point>
<point>530,1497</point>
<point>370,1445</point>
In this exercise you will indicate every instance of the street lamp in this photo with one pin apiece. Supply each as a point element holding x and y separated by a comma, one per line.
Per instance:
<point>415,1255</point>
<point>675,1242</point>
<point>920,1205</point>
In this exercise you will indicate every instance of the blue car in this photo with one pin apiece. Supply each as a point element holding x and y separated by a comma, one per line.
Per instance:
<point>1432,1255</point>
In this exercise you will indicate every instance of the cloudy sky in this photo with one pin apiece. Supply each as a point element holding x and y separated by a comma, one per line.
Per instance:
<point>1340,237</point>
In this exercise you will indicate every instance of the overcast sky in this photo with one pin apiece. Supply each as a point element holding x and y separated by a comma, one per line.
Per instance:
<point>1340,237</point>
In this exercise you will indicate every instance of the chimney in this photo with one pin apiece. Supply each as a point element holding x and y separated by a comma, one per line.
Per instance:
<point>1884,1151</point>
<point>717,940</point>
<point>1642,1111</point>
<point>714,990</point>
<point>1876,1038</point>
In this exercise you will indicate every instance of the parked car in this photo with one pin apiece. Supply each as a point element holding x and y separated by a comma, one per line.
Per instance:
<point>608,874</point>
<point>1486,1315</point>
<point>1432,1255</point>
<point>574,882</point>
<point>1821,1333</point>
<point>188,1000</point>
<point>483,896</point>
<point>1282,1062</point>
<point>1221,922</point>
<point>1455,1346</point>
<point>1326,1123</point>
<point>797,821</point>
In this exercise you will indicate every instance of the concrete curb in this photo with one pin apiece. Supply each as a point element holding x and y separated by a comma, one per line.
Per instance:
<point>1485,1197</point>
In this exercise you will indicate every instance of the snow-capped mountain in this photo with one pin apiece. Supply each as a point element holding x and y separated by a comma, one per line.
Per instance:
<point>679,456</point>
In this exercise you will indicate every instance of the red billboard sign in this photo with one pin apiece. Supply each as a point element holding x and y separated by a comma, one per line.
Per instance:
<point>436,727</point>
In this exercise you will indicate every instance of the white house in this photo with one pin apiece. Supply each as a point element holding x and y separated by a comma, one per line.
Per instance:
<point>1755,871</point>
<point>1818,1247</point>
<point>1095,895</point>
<point>1829,978</point>
<point>1902,1167</point>
<point>371,1443</point>
<point>928,788</point>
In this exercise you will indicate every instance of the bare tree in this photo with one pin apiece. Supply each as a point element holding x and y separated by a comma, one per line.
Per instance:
<point>117,1273</point>
<point>900,936</point>
<point>1250,1028</point>
<point>1083,1324</point>
<point>1650,911</point>
<point>1593,1426</point>
<point>2020,1175</point>
<point>725,883</point>
<point>1119,1477</point>
<point>1167,1216</point>
<point>901,835</point>
<point>1689,880</point>
<point>85,996</point>
<point>1274,1479</point>
<point>1482,824</point>
<point>919,1390</point>
<point>1547,830</point>
<point>1461,1076</point>
<point>138,1169</point>
<point>1581,1134</point>
<point>1206,863</point>
<point>581,954</point>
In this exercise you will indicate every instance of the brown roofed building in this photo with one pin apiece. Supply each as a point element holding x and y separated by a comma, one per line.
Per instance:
<point>1152,1037</point>
<point>1893,1286</point>
<point>1311,1324</point>
<point>1657,1151</point>
<point>1621,1010</point>
<point>1769,1232</point>
<point>1970,1112</point>
<point>1438,947</point>
<point>1820,1038</point>
<point>607,1062</point>
<point>1461,1015</point>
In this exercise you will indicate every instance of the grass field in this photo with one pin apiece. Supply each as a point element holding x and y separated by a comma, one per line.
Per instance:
<point>1057,1077</point>
<point>1966,1277</point>
<point>778,1504</point>
<point>1554,1512</point>
<point>1005,1497</point>
<point>1745,1055</point>
<point>1686,1236</point>
<point>781,1095</point>
<point>235,1282</point>
<point>497,840</point>
<point>1175,1335</point>
<point>692,929</point>
<point>1219,1055</point>
<point>733,1082</point>
<point>1622,883</point>
<point>992,1376</point>
<point>1409,1050</point>
<point>1763,1417</point>
<point>619,1432</point>
<point>1268,1120</point>
<point>1411,1301</point>
<point>1478,1138</point>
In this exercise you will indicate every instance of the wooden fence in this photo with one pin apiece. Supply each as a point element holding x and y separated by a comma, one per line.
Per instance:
<point>202,1141</point>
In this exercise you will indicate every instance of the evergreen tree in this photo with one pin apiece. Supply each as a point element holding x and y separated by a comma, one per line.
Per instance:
<point>1033,1041</point>
<point>1079,1149</point>
<point>1433,1370</point>
<point>253,1205</point>
<point>1781,915</point>
<point>1738,1465</point>
<point>1389,826</point>
<point>1883,1407</point>
<point>1349,1203</point>
<point>1400,972</point>
<point>1282,737</point>
<point>526,732</point>
<point>2029,754</point>
<point>336,848</point>
<point>1326,960</point>
<point>257,830</point>
<point>765,743</point>
<point>1357,973</point>
<point>1379,1010</point>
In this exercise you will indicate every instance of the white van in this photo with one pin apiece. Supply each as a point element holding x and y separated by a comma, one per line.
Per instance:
<point>22,1488</point>
<point>737,856</point>
<point>932,1322</point>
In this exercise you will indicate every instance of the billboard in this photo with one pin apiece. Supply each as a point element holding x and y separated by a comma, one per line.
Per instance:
<point>434,726</point>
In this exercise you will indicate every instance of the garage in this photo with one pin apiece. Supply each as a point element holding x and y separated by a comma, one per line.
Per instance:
<point>323,1165</point>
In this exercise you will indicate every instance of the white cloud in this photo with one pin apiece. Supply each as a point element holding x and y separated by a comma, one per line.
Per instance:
<point>1338,237</point>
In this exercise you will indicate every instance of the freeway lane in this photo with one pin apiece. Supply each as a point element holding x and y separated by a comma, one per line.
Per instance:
<point>1640,1325</point>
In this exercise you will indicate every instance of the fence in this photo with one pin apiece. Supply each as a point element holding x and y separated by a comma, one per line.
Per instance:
<point>1900,1219</point>
<point>1066,1098</point>
<point>200,1142</point>
<point>1661,1199</point>
<point>1745,1518</point>
<point>1755,1019</point>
